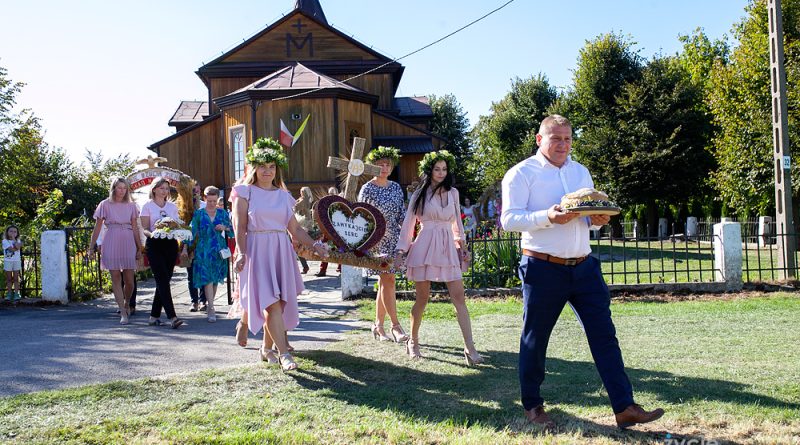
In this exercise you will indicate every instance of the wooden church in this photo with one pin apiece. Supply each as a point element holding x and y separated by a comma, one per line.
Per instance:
<point>292,69</point>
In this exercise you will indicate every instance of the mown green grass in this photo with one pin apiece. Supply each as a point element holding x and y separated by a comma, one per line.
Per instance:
<point>724,370</point>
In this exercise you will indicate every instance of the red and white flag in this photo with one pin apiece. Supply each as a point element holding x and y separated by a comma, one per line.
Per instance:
<point>287,139</point>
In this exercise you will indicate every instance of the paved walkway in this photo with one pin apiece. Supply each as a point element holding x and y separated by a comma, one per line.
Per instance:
<point>65,346</point>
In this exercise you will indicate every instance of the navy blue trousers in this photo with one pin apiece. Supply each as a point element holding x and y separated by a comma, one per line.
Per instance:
<point>546,289</point>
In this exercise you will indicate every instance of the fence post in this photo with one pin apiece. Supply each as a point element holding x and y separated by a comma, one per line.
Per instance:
<point>728,255</point>
<point>691,226</point>
<point>54,266</point>
<point>663,228</point>
<point>764,231</point>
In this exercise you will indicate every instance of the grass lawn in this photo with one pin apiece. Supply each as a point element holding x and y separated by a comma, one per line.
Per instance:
<point>725,370</point>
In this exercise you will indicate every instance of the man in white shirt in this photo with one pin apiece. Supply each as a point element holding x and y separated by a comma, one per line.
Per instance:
<point>556,269</point>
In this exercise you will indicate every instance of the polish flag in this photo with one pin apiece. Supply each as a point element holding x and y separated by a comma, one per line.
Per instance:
<point>286,139</point>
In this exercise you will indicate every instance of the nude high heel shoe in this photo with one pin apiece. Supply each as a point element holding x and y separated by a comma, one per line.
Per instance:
<point>412,349</point>
<point>379,334</point>
<point>472,360</point>
<point>398,334</point>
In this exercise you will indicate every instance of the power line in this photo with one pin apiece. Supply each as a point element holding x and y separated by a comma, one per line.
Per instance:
<point>341,82</point>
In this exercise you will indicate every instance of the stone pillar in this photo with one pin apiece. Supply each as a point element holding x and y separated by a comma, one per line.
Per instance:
<point>728,255</point>
<point>726,219</point>
<point>663,228</point>
<point>352,281</point>
<point>691,226</point>
<point>54,266</point>
<point>765,231</point>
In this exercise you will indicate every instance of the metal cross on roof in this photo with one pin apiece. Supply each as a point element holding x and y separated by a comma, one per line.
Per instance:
<point>354,167</point>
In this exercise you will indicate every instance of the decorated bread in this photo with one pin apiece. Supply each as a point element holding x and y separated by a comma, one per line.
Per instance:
<point>586,198</point>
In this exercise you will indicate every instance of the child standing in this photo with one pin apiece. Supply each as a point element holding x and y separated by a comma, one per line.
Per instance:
<point>12,262</point>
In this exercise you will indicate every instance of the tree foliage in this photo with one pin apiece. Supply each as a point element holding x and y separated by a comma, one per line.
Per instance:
<point>739,98</point>
<point>40,186</point>
<point>640,126</point>
<point>508,134</point>
<point>450,121</point>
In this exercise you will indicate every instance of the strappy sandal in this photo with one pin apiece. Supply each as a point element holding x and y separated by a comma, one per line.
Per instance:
<point>156,322</point>
<point>176,323</point>
<point>472,360</point>
<point>241,334</point>
<point>268,355</point>
<point>287,362</point>
<point>412,349</point>
<point>379,334</point>
<point>398,334</point>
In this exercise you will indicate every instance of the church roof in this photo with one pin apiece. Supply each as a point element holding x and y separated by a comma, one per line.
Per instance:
<point>406,144</point>
<point>415,106</point>
<point>312,8</point>
<point>189,111</point>
<point>294,79</point>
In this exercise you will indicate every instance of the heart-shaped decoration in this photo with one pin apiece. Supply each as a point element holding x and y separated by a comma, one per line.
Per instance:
<point>352,226</point>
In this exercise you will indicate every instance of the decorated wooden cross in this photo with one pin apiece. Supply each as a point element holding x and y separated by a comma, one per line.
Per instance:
<point>354,167</point>
<point>352,227</point>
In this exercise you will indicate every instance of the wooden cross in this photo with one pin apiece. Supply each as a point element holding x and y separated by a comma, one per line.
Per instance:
<point>354,167</point>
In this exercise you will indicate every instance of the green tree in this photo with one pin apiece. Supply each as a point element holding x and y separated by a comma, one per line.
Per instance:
<point>640,127</point>
<point>508,134</point>
<point>450,121</point>
<point>739,98</point>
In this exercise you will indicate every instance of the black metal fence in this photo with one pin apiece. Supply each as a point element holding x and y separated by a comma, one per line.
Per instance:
<point>761,262</point>
<point>84,277</point>
<point>31,273</point>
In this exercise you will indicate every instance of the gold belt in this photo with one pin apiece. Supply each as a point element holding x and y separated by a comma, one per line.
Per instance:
<point>266,231</point>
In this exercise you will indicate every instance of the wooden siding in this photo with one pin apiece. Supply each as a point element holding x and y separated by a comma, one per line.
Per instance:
<point>354,113</point>
<point>407,170</point>
<point>240,115</point>
<point>383,126</point>
<point>222,86</point>
<point>377,84</point>
<point>198,154</point>
<point>287,42</point>
<point>308,159</point>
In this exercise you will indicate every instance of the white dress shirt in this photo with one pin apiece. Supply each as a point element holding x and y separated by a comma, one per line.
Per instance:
<point>533,186</point>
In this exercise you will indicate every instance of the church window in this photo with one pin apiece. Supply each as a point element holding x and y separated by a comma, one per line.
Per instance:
<point>238,147</point>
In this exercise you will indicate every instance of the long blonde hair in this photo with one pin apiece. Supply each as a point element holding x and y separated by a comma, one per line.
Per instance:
<point>114,182</point>
<point>251,177</point>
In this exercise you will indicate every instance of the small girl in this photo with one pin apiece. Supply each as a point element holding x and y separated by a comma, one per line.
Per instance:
<point>12,262</point>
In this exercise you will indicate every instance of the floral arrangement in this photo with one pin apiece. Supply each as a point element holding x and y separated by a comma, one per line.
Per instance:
<point>430,159</point>
<point>265,151</point>
<point>382,152</point>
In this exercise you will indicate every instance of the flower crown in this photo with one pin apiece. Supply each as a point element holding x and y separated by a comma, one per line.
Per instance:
<point>382,152</point>
<point>430,159</point>
<point>267,150</point>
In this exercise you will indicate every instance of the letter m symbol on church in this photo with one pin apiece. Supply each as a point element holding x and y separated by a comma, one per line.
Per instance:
<point>290,41</point>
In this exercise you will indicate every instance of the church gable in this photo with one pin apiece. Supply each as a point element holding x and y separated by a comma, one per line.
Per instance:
<point>298,37</point>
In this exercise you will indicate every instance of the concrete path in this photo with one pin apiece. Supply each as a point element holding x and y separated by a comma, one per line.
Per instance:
<point>65,346</point>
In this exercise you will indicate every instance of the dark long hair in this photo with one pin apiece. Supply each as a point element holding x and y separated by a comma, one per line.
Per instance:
<point>447,184</point>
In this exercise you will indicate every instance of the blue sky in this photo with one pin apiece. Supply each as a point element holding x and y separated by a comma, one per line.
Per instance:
<point>108,75</point>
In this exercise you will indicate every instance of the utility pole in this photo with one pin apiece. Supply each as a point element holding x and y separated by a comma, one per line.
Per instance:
<point>786,238</point>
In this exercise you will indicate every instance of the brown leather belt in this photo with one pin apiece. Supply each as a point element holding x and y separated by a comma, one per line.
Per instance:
<point>555,259</point>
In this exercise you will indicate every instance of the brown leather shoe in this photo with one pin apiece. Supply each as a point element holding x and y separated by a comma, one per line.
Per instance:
<point>635,414</point>
<point>539,417</point>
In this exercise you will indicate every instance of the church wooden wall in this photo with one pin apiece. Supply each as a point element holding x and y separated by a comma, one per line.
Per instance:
<point>222,86</point>
<point>377,84</point>
<point>383,126</point>
<point>407,170</point>
<point>198,153</point>
<point>308,159</point>
<point>354,115</point>
<point>304,41</point>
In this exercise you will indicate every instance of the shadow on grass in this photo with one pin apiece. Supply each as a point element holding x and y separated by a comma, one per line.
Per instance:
<point>489,396</point>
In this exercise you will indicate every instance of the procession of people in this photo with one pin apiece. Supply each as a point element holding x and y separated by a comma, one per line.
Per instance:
<point>424,238</point>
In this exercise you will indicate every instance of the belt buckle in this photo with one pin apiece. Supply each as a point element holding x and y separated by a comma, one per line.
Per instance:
<point>570,261</point>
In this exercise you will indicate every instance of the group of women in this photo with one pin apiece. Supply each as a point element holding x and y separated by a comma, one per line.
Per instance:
<point>265,228</point>
<point>122,246</point>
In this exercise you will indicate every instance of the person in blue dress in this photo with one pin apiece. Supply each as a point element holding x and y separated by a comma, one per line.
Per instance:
<point>210,265</point>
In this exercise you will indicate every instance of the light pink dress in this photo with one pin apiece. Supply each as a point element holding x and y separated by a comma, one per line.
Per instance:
<point>433,255</point>
<point>119,247</point>
<point>270,271</point>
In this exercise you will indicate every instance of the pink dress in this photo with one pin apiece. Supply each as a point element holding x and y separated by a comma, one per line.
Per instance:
<point>270,271</point>
<point>118,246</point>
<point>433,255</point>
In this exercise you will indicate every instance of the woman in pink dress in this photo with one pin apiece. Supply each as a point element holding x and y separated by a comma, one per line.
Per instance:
<point>436,253</point>
<point>269,279</point>
<point>122,244</point>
